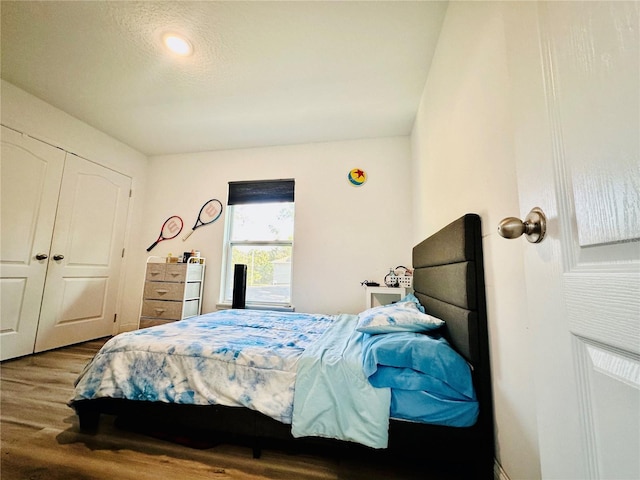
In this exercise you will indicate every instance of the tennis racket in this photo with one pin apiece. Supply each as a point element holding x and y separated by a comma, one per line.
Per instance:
<point>170,229</point>
<point>209,213</point>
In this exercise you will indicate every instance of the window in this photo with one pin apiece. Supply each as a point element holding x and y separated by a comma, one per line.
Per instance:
<point>259,234</point>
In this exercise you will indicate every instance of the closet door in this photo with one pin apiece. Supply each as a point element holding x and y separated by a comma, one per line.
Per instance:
<point>81,288</point>
<point>30,174</point>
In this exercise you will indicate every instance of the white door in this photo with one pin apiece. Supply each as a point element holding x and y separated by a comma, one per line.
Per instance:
<point>576,84</point>
<point>81,288</point>
<point>30,172</point>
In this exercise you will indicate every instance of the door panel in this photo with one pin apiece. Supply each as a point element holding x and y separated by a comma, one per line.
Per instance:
<point>30,172</point>
<point>610,389</point>
<point>82,299</point>
<point>92,225</point>
<point>81,289</point>
<point>575,74</point>
<point>593,78</point>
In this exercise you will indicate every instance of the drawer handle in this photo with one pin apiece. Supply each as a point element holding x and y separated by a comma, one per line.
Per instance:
<point>159,310</point>
<point>162,292</point>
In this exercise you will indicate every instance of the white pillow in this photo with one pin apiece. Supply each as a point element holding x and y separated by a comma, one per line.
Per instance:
<point>397,317</point>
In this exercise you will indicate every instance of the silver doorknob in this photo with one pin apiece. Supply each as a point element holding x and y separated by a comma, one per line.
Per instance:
<point>41,256</point>
<point>534,226</point>
<point>58,257</point>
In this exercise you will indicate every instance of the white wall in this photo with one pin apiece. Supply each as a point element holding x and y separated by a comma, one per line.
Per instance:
<point>463,161</point>
<point>28,114</point>
<point>343,234</point>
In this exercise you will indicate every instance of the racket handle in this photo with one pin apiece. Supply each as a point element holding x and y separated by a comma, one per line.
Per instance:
<point>188,235</point>
<point>153,245</point>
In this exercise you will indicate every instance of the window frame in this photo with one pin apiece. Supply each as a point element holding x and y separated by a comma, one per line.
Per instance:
<point>227,270</point>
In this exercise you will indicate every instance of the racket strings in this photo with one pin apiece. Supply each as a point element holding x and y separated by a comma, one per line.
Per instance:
<point>171,228</point>
<point>210,211</point>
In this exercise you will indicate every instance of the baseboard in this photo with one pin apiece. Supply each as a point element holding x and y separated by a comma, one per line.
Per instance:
<point>498,472</point>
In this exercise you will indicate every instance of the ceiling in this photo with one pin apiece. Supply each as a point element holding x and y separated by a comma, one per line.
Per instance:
<point>262,73</point>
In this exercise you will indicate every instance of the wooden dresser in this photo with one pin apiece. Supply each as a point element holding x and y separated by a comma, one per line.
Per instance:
<point>172,291</point>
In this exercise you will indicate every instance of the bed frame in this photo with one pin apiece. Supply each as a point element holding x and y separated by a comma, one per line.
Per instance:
<point>449,282</point>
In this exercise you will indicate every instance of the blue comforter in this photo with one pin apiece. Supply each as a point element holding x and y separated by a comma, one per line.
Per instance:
<point>242,358</point>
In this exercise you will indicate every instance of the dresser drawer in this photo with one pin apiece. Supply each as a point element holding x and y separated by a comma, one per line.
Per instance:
<point>191,308</point>
<point>194,272</point>
<point>161,309</point>
<point>175,272</point>
<point>192,290</point>
<point>164,291</point>
<point>155,271</point>
<point>146,322</point>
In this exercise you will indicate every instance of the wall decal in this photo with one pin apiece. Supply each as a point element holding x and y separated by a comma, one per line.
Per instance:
<point>357,177</point>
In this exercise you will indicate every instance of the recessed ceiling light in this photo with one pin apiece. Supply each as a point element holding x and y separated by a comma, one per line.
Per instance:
<point>177,44</point>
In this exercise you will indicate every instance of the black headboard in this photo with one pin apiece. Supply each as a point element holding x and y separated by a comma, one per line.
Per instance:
<point>448,279</point>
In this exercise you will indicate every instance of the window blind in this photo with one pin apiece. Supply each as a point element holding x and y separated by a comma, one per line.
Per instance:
<point>261,191</point>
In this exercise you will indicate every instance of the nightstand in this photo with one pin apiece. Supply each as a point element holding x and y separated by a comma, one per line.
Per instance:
<point>377,296</point>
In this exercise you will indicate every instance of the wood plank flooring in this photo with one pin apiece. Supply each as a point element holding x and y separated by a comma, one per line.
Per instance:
<point>40,439</point>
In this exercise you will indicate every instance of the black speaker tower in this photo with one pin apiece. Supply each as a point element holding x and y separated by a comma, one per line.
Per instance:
<point>239,285</point>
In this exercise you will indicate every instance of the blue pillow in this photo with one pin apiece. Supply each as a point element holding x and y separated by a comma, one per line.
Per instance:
<point>416,362</point>
<point>410,297</point>
<point>397,317</point>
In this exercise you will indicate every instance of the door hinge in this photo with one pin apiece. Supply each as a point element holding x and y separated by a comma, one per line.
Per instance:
<point>122,253</point>
<point>115,316</point>
<point>130,193</point>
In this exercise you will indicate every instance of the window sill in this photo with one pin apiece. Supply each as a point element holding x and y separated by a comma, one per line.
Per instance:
<point>275,308</point>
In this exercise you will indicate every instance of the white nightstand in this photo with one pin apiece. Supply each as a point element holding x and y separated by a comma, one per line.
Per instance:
<point>377,296</point>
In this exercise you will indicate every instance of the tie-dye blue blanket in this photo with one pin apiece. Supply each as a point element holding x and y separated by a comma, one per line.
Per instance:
<point>244,358</point>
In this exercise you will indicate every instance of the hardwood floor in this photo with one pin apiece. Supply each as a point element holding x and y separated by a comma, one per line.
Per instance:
<point>40,439</point>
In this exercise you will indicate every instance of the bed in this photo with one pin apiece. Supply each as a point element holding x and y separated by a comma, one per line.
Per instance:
<point>238,388</point>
